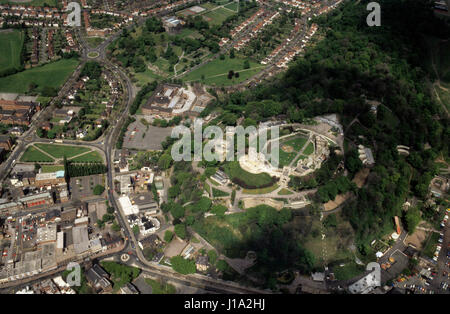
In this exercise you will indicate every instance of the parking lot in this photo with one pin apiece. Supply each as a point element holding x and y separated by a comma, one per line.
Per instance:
<point>442,279</point>
<point>82,187</point>
<point>144,137</point>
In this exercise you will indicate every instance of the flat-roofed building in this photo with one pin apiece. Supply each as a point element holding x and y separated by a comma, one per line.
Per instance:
<point>127,207</point>
<point>46,234</point>
<point>10,207</point>
<point>50,178</point>
<point>37,199</point>
<point>145,202</point>
<point>60,240</point>
<point>80,239</point>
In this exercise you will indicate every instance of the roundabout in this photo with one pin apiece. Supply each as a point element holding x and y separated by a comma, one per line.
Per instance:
<point>124,257</point>
<point>93,54</point>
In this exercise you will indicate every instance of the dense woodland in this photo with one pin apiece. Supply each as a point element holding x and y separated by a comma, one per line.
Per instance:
<point>352,64</point>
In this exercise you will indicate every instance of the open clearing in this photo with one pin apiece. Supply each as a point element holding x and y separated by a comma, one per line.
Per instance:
<point>32,154</point>
<point>289,149</point>
<point>217,16</point>
<point>10,49</point>
<point>59,151</point>
<point>246,179</point>
<point>53,75</point>
<point>89,157</point>
<point>216,71</point>
<point>51,168</point>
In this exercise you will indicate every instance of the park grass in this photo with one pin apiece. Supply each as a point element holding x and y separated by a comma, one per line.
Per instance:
<point>160,288</point>
<point>309,149</point>
<point>217,16</point>
<point>89,157</point>
<point>285,192</point>
<point>261,190</point>
<point>216,71</point>
<point>348,271</point>
<point>59,151</point>
<point>44,101</point>
<point>188,32</point>
<point>431,244</point>
<point>10,49</point>
<point>286,158</point>
<point>32,154</point>
<point>51,168</point>
<point>246,179</point>
<point>219,193</point>
<point>52,75</point>
<point>94,41</point>
<point>232,6</point>
<point>223,80</point>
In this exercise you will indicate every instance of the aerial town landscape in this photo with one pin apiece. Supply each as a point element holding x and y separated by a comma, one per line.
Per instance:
<point>88,174</point>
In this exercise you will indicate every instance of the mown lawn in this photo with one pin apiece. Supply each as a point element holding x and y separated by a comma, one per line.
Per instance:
<point>232,6</point>
<point>348,271</point>
<point>160,288</point>
<point>51,168</point>
<point>285,158</point>
<point>59,151</point>
<point>52,75</point>
<point>34,155</point>
<point>285,192</point>
<point>217,16</point>
<point>216,71</point>
<point>262,190</point>
<point>10,48</point>
<point>89,157</point>
<point>309,149</point>
<point>246,179</point>
<point>219,193</point>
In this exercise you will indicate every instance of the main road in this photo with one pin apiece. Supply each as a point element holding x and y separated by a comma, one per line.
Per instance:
<point>105,144</point>
<point>149,267</point>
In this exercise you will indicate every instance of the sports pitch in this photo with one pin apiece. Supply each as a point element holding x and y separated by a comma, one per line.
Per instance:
<point>10,49</point>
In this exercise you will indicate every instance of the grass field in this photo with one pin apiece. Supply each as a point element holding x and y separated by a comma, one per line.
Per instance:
<point>232,6</point>
<point>94,41</point>
<point>219,193</point>
<point>217,16</point>
<point>309,149</point>
<point>53,75</point>
<point>34,155</point>
<point>51,168</point>
<point>160,288</point>
<point>348,271</point>
<point>10,49</point>
<point>297,144</point>
<point>59,151</point>
<point>188,32</point>
<point>246,179</point>
<point>89,157</point>
<point>216,71</point>
<point>285,192</point>
<point>262,190</point>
